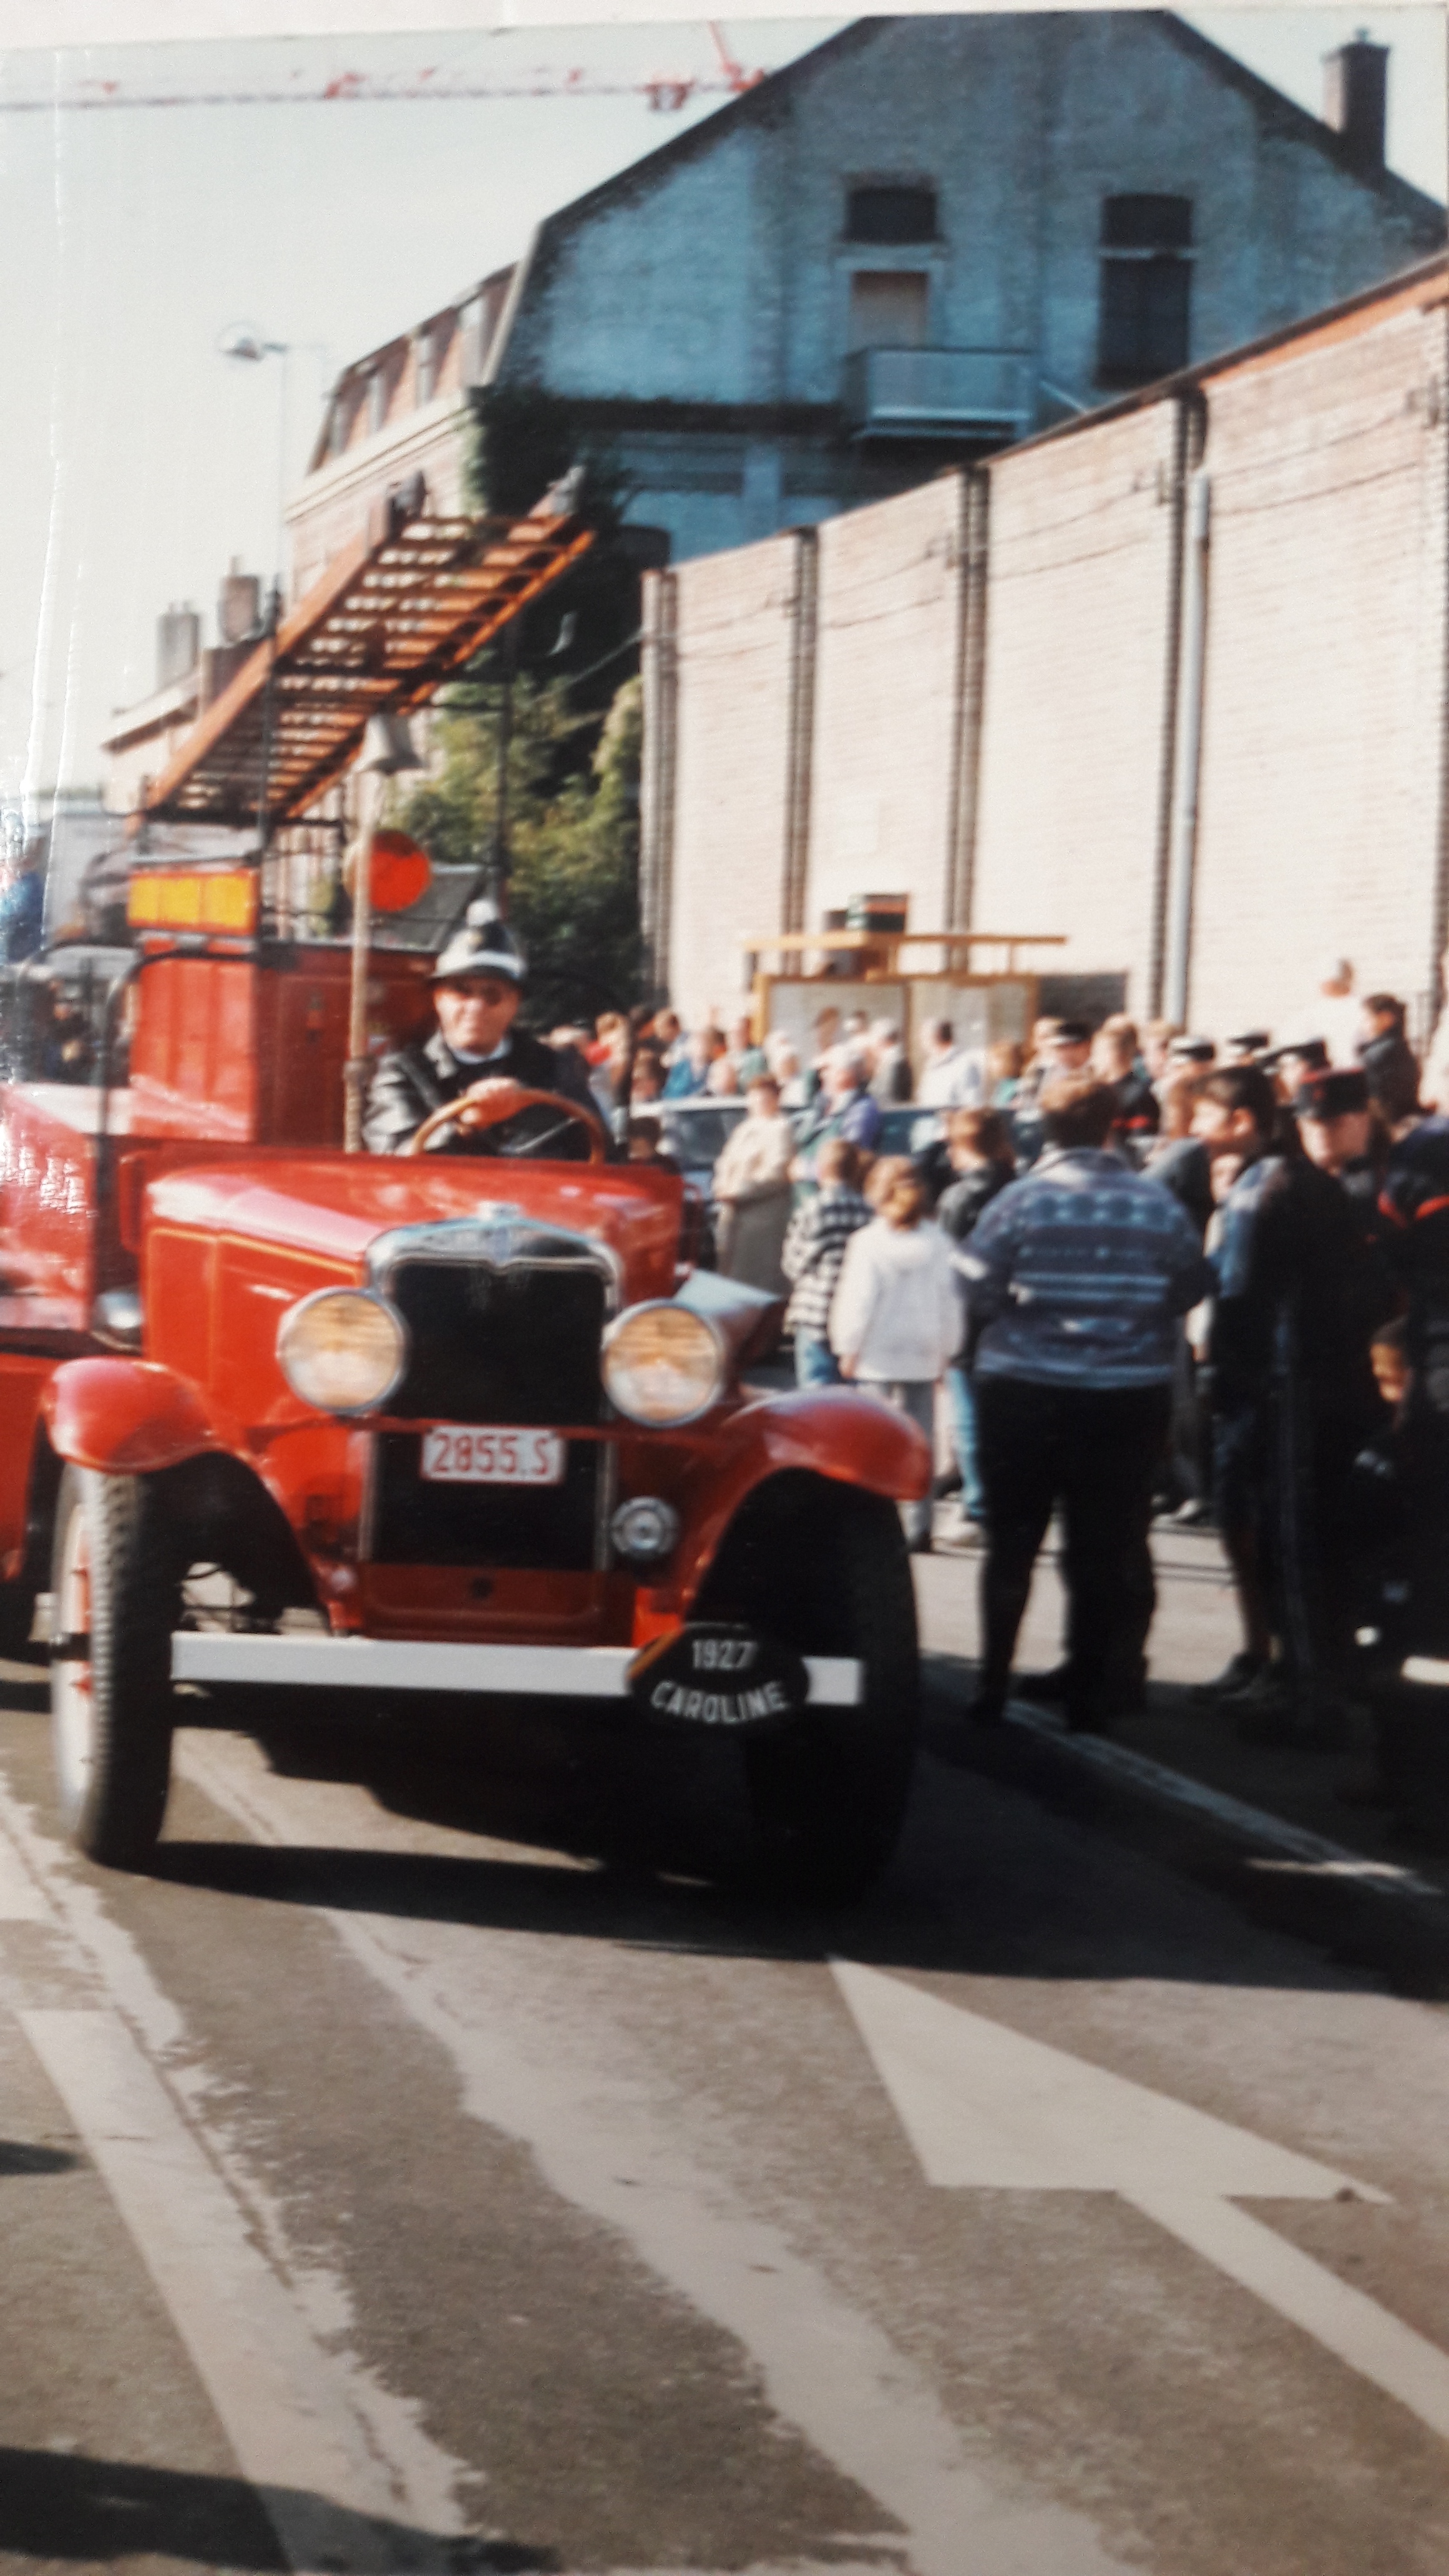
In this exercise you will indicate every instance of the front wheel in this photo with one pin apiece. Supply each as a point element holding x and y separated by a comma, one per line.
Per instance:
<point>824,1568</point>
<point>116,1599</point>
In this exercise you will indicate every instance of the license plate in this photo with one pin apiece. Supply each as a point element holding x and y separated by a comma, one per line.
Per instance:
<point>458,1455</point>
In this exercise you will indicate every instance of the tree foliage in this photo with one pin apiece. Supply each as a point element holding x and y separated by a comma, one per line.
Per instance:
<point>573,798</point>
<point>573,767</point>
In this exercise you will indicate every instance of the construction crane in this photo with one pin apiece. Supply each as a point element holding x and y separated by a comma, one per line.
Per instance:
<point>665,92</point>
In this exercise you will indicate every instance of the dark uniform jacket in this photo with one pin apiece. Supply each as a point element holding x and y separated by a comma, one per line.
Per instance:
<point>1139,1114</point>
<point>969,1195</point>
<point>1297,1292</point>
<point>1414,1209</point>
<point>1392,1071</point>
<point>415,1080</point>
<point>1182,1166</point>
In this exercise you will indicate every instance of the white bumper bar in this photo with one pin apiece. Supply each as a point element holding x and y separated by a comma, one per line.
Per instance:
<point>391,1663</point>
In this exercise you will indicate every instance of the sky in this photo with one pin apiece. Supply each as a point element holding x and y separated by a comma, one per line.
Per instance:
<point>139,460</point>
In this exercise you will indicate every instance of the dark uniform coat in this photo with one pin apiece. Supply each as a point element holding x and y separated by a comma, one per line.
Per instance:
<point>413,1081</point>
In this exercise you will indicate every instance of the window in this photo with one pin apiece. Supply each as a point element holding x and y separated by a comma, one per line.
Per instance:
<point>377,394</point>
<point>889,308</point>
<point>426,363</point>
<point>1144,329</point>
<point>890,215</point>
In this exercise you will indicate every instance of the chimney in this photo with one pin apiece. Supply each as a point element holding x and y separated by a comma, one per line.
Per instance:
<point>239,605</point>
<point>1355,94</point>
<point>178,645</point>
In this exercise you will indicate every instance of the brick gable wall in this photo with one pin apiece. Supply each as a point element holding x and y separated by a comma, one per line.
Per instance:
<point>1323,705</point>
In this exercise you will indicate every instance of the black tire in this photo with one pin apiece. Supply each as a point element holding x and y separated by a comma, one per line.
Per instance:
<point>824,1568</point>
<point>111,1708</point>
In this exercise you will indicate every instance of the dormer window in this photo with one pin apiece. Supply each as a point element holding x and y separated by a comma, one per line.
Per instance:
<point>890,216</point>
<point>1146,284</point>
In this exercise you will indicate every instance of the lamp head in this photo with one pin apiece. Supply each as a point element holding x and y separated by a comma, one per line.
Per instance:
<point>244,342</point>
<point>387,746</point>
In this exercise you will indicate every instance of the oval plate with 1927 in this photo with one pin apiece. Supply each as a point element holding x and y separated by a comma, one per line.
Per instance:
<point>715,1674</point>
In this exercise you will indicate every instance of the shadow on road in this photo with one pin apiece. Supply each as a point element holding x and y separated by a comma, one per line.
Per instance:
<point>18,2157</point>
<point>61,2506</point>
<point>646,1845</point>
<point>1014,1863</point>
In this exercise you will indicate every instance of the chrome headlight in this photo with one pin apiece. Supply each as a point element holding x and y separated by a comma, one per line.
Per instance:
<point>343,1350</point>
<point>663,1364</point>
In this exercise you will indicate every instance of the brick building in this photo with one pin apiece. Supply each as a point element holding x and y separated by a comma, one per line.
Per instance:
<point>1169,681</point>
<point>923,239</point>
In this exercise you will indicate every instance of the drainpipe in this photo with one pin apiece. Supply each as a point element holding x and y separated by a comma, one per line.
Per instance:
<point>968,689</point>
<point>1182,866</point>
<point>799,752</point>
<point>1435,992</point>
<point>1185,448</point>
<point>659,680</point>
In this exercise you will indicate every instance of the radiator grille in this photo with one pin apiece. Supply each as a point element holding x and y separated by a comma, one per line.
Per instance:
<point>415,1522</point>
<point>515,1344</point>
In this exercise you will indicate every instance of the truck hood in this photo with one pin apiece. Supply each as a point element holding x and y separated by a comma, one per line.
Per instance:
<point>338,1207</point>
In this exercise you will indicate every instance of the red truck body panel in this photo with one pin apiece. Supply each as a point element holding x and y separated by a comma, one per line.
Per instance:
<point>220,1196</point>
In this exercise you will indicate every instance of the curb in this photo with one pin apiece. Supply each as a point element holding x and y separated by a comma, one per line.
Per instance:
<point>1374,1913</point>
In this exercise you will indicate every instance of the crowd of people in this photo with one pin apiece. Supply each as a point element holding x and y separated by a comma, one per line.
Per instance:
<point>1144,1273</point>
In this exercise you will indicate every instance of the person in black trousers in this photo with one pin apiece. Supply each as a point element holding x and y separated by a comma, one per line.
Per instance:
<point>1076,1278</point>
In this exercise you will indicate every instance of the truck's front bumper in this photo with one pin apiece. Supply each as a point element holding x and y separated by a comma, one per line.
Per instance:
<point>391,1663</point>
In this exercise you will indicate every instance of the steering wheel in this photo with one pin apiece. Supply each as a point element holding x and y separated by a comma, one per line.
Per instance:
<point>505,1102</point>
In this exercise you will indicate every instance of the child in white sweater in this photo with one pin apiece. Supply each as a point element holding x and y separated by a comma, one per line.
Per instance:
<point>896,1318</point>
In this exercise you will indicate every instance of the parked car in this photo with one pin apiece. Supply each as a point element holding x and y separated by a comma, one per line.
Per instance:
<point>909,1130</point>
<point>696,1132</point>
<point>444,1424</point>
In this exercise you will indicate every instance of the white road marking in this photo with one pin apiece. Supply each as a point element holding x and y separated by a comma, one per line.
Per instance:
<point>990,2110</point>
<point>986,2108</point>
<point>828,2369</point>
<point>1253,1824</point>
<point>22,1900</point>
<point>343,2471</point>
<point>255,2358</point>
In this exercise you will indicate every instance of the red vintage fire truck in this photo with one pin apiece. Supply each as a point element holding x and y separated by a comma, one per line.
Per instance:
<point>453,1425</point>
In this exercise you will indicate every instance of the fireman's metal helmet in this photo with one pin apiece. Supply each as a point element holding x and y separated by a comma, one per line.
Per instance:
<point>483,944</point>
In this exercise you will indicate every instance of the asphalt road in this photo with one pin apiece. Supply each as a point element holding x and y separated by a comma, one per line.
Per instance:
<point>431,2168</point>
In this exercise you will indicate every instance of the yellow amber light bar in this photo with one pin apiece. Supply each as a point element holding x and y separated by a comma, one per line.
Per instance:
<point>194,899</point>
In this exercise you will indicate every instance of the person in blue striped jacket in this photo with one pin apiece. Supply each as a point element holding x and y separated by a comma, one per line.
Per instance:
<point>1077,1278</point>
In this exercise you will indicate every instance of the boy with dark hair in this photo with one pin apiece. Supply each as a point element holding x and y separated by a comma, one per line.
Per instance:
<point>978,1147</point>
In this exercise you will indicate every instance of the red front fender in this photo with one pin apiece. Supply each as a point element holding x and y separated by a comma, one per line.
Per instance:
<point>853,1439</point>
<point>126,1417</point>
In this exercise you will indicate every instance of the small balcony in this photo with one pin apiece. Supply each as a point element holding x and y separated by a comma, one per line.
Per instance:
<point>938,393</point>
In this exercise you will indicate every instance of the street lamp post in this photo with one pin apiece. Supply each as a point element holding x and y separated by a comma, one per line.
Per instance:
<point>500,862</point>
<point>387,748</point>
<point>247,347</point>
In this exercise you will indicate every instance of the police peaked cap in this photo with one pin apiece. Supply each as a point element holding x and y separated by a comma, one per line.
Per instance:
<point>483,945</point>
<point>1331,1095</point>
<point>1312,1052</point>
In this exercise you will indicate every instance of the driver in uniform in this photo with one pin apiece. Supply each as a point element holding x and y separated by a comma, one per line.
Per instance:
<point>476,1050</point>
